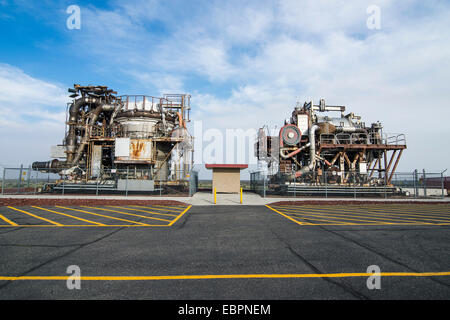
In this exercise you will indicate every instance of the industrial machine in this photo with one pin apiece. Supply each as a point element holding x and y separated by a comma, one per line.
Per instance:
<point>317,147</point>
<point>127,142</point>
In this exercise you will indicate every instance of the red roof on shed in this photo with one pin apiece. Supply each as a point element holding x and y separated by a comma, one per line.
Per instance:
<point>226,166</point>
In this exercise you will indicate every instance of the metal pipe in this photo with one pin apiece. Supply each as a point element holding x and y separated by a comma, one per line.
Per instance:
<point>74,112</point>
<point>284,156</point>
<point>312,152</point>
<point>91,121</point>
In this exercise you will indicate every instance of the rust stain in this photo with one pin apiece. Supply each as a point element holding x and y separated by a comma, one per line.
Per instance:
<point>137,148</point>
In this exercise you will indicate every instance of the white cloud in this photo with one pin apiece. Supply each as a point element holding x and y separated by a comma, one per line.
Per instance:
<point>266,55</point>
<point>32,115</point>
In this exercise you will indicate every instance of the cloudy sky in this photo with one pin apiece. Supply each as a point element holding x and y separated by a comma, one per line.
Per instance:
<point>245,63</point>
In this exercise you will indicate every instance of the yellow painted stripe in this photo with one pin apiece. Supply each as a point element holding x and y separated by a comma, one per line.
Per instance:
<point>383,213</point>
<point>226,276</point>
<point>70,216</point>
<point>165,225</point>
<point>8,221</point>
<point>298,222</point>
<point>173,206</point>
<point>338,217</point>
<point>181,214</point>
<point>37,217</point>
<point>162,209</point>
<point>343,216</point>
<point>408,216</point>
<point>140,210</point>
<point>399,214</point>
<point>380,207</point>
<point>128,214</point>
<point>105,216</point>
<point>83,225</point>
<point>342,223</point>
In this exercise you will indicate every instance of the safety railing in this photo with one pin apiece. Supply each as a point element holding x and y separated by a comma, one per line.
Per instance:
<point>25,180</point>
<point>409,185</point>
<point>395,139</point>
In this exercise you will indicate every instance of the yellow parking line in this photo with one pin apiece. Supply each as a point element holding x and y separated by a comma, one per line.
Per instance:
<point>343,223</point>
<point>8,221</point>
<point>225,276</point>
<point>399,215</point>
<point>181,214</point>
<point>381,207</point>
<point>129,214</point>
<point>161,214</point>
<point>336,217</point>
<point>84,225</point>
<point>170,206</point>
<point>37,217</point>
<point>105,216</point>
<point>344,216</point>
<point>314,221</point>
<point>70,216</point>
<point>405,215</point>
<point>415,208</point>
<point>384,211</point>
<point>162,209</point>
<point>298,222</point>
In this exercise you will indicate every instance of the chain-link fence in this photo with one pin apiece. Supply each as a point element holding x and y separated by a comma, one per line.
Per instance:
<point>350,184</point>
<point>25,180</point>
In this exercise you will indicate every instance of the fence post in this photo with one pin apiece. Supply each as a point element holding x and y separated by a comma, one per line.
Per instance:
<point>295,188</point>
<point>424,183</point>
<point>36,182</point>
<point>3,181</point>
<point>442,184</point>
<point>354,185</point>
<point>190,182</point>
<point>28,176</point>
<point>415,185</point>
<point>126,183</point>
<point>326,184</point>
<point>63,183</point>
<point>20,178</point>
<point>264,185</point>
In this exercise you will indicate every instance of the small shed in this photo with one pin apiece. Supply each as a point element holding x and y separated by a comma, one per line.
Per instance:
<point>226,177</point>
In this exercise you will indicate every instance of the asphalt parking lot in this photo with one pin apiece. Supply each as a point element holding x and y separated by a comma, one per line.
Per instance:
<point>225,252</point>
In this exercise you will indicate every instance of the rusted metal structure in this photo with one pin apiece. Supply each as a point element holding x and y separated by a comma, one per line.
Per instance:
<point>112,138</point>
<point>316,147</point>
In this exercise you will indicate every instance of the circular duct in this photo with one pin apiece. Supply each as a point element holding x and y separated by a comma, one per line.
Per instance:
<point>291,135</point>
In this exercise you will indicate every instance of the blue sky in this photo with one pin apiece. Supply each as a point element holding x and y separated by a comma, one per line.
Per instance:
<point>246,63</point>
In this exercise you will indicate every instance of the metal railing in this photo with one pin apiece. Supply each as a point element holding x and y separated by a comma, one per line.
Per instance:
<point>25,180</point>
<point>363,138</point>
<point>417,185</point>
